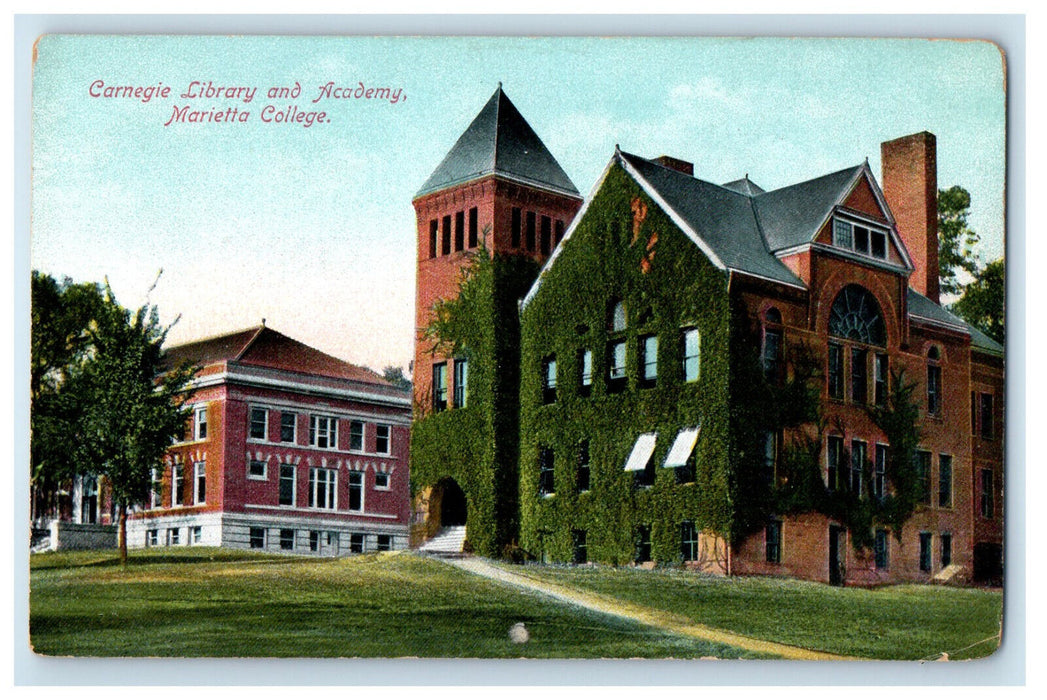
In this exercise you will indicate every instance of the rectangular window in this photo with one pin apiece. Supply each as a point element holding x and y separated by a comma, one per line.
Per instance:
<point>323,432</point>
<point>559,231</point>
<point>434,234</point>
<point>287,485</point>
<point>288,426</point>
<point>861,239</point>
<point>878,244</point>
<point>174,536</point>
<point>152,538</point>
<point>199,483</point>
<point>459,231</point>
<point>381,439</point>
<point>356,491</point>
<point>859,375</point>
<point>880,473</point>
<point>688,541</point>
<point>649,359</point>
<point>582,482</point>
<point>176,485</point>
<point>835,370</point>
<point>691,354</point>
<point>834,461</point>
<point>530,231</point>
<point>987,501</point>
<point>842,234</point>
<point>581,550</point>
<point>257,538</point>
<point>440,386</point>
<point>515,228</point>
<point>858,451</point>
<point>934,390</point>
<point>356,543</point>
<point>196,534</point>
<point>461,383</point>
<point>771,356</point>
<point>259,424</point>
<point>986,415</point>
<point>585,365</point>
<point>549,379</point>
<point>925,551</point>
<point>286,539</point>
<point>332,541</point>
<point>923,477</point>
<point>944,481</point>
<point>314,541</point>
<point>155,489</point>
<point>200,423</point>
<point>773,542</point>
<point>385,543</point>
<point>946,549</point>
<point>474,228</point>
<point>643,543</point>
<point>445,241</point>
<point>770,456</point>
<point>356,436</point>
<point>323,485</point>
<point>881,372</point>
<point>881,550</point>
<point>546,460</point>
<point>546,235</point>
<point>381,480</point>
<point>616,366</point>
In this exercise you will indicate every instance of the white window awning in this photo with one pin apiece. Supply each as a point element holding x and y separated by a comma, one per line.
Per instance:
<point>682,447</point>
<point>641,454</point>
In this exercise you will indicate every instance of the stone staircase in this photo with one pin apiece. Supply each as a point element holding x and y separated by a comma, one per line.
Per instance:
<point>447,542</point>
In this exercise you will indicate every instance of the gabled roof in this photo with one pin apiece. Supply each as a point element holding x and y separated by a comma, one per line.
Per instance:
<point>792,215</point>
<point>499,141</point>
<point>263,347</point>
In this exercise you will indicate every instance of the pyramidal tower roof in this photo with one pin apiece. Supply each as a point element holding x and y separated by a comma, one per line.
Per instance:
<point>499,141</point>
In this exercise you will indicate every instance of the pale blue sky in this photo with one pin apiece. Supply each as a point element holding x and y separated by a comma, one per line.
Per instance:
<point>313,228</point>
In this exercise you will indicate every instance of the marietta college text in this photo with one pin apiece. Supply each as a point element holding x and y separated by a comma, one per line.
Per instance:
<point>270,113</point>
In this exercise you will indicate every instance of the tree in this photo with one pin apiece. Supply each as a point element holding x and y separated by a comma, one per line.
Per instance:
<point>982,303</point>
<point>956,240</point>
<point>129,406</point>
<point>395,376</point>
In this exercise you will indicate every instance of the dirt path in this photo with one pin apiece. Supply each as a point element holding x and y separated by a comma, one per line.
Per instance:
<point>638,613</point>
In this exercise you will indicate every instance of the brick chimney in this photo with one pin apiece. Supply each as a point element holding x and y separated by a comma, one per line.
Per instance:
<point>676,164</point>
<point>910,184</point>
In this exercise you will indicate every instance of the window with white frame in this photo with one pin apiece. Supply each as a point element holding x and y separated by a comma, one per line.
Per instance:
<point>440,386</point>
<point>546,462</point>
<point>691,354</point>
<point>152,538</point>
<point>461,383</point>
<point>385,543</point>
<point>356,542</point>
<point>688,540</point>
<point>323,432</point>
<point>199,483</point>
<point>648,345</point>
<point>256,537</point>
<point>381,480</point>
<point>860,237</point>
<point>356,491</point>
<point>879,484</point>
<point>196,534</point>
<point>616,366</point>
<point>356,436</point>
<point>382,443</point>
<point>257,469</point>
<point>288,426</point>
<point>549,379</point>
<point>259,428</point>
<point>176,485</point>
<point>174,536</point>
<point>323,487</point>
<point>286,538</point>
<point>200,423</point>
<point>287,485</point>
<point>585,372</point>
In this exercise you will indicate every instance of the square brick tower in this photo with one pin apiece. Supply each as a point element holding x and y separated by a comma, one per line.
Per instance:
<point>499,195</point>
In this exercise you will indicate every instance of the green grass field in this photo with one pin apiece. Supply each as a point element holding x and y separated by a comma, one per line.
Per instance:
<point>894,622</point>
<point>211,602</point>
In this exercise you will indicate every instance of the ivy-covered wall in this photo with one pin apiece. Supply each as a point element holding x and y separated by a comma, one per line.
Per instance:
<point>624,248</point>
<point>477,445</point>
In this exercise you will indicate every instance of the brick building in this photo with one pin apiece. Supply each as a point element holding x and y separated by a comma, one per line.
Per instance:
<point>617,419</point>
<point>287,449</point>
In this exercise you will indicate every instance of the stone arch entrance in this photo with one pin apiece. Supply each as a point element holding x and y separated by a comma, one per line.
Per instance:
<point>448,505</point>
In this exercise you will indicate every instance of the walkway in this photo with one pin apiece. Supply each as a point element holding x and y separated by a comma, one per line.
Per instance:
<point>638,613</point>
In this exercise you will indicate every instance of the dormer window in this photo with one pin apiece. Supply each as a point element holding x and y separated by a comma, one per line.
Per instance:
<point>860,237</point>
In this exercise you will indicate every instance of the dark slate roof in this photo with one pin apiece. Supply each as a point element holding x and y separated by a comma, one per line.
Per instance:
<point>499,141</point>
<point>983,342</point>
<point>724,219</point>
<point>263,347</point>
<point>745,186</point>
<point>921,306</point>
<point>792,215</point>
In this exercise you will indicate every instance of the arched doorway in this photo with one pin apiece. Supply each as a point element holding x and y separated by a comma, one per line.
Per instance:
<point>452,505</point>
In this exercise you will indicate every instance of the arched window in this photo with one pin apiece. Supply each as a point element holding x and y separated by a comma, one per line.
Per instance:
<point>855,320</point>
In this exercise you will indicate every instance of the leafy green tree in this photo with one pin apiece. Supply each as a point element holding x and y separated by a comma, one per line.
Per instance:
<point>395,376</point>
<point>956,240</point>
<point>129,406</point>
<point>982,303</point>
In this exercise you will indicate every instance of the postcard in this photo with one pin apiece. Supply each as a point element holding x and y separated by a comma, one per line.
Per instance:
<point>501,347</point>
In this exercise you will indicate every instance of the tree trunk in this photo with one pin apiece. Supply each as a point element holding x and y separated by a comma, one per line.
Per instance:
<point>122,536</point>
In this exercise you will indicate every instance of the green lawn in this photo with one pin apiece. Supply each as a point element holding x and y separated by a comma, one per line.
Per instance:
<point>211,602</point>
<point>894,622</point>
